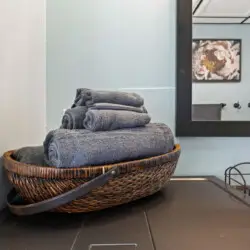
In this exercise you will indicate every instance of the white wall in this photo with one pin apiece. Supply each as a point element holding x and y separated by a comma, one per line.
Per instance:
<point>111,44</point>
<point>117,44</point>
<point>228,93</point>
<point>22,77</point>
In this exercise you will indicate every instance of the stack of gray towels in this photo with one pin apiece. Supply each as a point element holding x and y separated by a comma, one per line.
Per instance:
<point>101,127</point>
<point>105,111</point>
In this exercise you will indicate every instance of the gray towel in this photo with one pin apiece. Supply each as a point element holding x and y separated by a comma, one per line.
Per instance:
<point>73,118</point>
<point>30,155</point>
<point>87,97</point>
<point>74,148</point>
<point>111,106</point>
<point>106,120</point>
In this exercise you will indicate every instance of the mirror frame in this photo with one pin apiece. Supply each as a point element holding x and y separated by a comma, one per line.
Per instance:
<point>185,127</point>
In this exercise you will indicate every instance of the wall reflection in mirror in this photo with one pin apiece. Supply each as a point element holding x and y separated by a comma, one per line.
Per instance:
<point>221,60</point>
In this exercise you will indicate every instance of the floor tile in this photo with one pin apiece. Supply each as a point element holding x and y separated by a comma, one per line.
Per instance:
<point>198,215</point>
<point>40,232</point>
<point>120,225</point>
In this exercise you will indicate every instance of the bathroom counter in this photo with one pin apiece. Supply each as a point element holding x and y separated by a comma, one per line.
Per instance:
<point>199,213</point>
<point>188,214</point>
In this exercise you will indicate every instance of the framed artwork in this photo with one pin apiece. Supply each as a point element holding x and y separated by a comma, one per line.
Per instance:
<point>216,60</point>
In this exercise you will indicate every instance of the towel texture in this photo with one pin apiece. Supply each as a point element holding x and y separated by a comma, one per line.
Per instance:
<point>106,120</point>
<point>87,97</point>
<point>74,148</point>
<point>73,118</point>
<point>111,106</point>
<point>30,155</point>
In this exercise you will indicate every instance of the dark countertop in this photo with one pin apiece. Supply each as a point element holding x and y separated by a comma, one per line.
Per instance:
<point>187,214</point>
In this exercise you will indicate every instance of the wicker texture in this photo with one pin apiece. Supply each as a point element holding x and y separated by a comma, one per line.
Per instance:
<point>137,179</point>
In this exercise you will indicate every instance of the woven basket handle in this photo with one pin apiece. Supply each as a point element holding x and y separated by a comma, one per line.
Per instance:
<point>61,199</point>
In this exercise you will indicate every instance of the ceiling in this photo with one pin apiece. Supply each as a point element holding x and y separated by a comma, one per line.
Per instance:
<point>221,11</point>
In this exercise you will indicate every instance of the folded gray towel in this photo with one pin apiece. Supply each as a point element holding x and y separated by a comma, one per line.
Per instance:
<point>74,148</point>
<point>111,106</point>
<point>30,155</point>
<point>106,120</point>
<point>87,97</point>
<point>73,118</point>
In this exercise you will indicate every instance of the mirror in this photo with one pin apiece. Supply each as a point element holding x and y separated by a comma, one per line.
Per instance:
<point>220,60</point>
<point>212,75</point>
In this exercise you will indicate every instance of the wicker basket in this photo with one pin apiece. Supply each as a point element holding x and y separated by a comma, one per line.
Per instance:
<point>136,179</point>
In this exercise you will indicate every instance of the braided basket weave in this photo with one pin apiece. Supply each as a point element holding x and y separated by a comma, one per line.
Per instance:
<point>136,180</point>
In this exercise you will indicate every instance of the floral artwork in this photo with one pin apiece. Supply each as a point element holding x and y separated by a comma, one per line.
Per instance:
<point>216,60</point>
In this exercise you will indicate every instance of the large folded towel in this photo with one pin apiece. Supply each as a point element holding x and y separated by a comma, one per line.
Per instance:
<point>111,106</point>
<point>73,118</point>
<point>74,148</point>
<point>30,155</point>
<point>87,97</point>
<point>106,120</point>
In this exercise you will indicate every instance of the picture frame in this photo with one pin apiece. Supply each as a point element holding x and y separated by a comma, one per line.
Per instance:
<point>216,60</point>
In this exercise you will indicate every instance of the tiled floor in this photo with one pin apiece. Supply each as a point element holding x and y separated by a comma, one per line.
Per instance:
<point>45,231</point>
<point>49,231</point>
<point>185,215</point>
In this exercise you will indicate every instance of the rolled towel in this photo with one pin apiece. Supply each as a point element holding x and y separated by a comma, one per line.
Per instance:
<point>75,148</point>
<point>106,120</point>
<point>87,97</point>
<point>111,106</point>
<point>30,155</point>
<point>73,118</point>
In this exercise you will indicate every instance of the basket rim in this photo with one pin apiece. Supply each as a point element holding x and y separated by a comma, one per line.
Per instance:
<point>30,170</point>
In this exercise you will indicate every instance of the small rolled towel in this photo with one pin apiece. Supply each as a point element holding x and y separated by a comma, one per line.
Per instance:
<point>106,120</point>
<point>73,118</point>
<point>75,148</point>
<point>111,106</point>
<point>30,155</point>
<point>87,97</point>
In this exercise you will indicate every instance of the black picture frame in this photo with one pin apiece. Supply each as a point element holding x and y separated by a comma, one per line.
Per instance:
<point>240,62</point>
<point>185,127</point>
